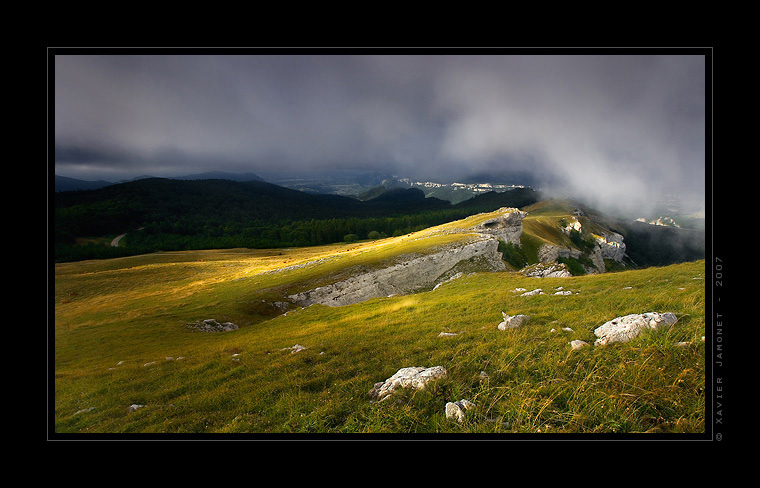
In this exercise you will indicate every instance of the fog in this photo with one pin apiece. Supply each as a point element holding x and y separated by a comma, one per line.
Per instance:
<point>614,129</point>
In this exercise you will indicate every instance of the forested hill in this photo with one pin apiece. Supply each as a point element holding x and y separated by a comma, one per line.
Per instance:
<point>197,214</point>
<point>117,208</point>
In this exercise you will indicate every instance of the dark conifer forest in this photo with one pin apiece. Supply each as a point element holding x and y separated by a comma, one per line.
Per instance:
<point>171,215</point>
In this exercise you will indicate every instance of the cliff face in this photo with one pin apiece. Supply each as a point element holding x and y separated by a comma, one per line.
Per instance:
<point>507,226</point>
<point>479,252</point>
<point>409,276</point>
<point>607,245</point>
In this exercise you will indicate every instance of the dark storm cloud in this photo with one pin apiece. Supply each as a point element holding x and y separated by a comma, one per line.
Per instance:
<point>607,126</point>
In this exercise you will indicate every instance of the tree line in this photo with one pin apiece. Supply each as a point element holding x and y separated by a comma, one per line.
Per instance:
<point>166,215</point>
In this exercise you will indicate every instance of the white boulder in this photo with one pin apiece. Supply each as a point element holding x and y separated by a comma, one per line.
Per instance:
<point>512,322</point>
<point>415,377</point>
<point>537,291</point>
<point>625,328</point>
<point>456,410</point>
<point>578,344</point>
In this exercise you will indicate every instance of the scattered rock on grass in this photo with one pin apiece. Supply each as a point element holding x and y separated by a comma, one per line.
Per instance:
<point>456,410</point>
<point>512,322</point>
<point>415,377</point>
<point>211,325</point>
<point>294,349</point>
<point>578,344</point>
<point>625,328</point>
<point>537,291</point>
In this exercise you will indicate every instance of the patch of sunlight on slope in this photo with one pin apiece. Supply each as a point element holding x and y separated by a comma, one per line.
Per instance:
<point>106,291</point>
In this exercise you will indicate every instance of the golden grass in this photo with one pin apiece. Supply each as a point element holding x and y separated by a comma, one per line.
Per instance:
<point>117,321</point>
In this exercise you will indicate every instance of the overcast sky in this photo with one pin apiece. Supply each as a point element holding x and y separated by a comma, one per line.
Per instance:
<point>609,126</point>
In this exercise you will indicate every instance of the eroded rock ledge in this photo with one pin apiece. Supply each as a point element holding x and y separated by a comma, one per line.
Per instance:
<point>507,226</point>
<point>410,276</point>
<point>420,273</point>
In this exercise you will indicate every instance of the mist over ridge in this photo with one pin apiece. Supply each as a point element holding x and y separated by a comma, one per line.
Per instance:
<point>624,129</point>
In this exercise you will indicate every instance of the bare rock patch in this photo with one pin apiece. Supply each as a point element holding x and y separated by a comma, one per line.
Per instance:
<point>415,377</point>
<point>211,325</point>
<point>512,321</point>
<point>625,328</point>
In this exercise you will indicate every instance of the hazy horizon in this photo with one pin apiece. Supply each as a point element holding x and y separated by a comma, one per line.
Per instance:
<point>613,128</point>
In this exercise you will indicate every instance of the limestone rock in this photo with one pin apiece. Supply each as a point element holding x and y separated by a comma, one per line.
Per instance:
<point>415,377</point>
<point>549,253</point>
<point>578,344</point>
<point>507,226</point>
<point>456,410</point>
<point>512,322</point>
<point>546,270</point>
<point>574,225</point>
<point>625,328</point>
<point>611,245</point>
<point>211,325</point>
<point>293,349</point>
<point>537,291</point>
<point>411,275</point>
<point>417,273</point>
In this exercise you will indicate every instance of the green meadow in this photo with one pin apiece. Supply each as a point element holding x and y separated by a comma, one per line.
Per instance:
<point>120,338</point>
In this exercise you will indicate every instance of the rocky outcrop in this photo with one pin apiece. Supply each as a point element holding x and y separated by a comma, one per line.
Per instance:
<point>546,270</point>
<point>610,246</point>
<point>625,328</point>
<point>415,377</point>
<point>414,273</point>
<point>549,253</point>
<point>507,226</point>
<point>211,325</point>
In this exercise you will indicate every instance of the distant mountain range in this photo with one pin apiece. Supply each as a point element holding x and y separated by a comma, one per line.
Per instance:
<point>455,192</point>
<point>199,213</point>
<point>158,198</point>
<point>64,183</point>
<point>174,214</point>
<point>363,185</point>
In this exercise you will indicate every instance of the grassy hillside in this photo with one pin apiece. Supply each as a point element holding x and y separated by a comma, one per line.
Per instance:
<point>120,339</point>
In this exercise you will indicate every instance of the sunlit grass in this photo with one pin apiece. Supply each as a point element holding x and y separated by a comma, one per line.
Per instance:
<point>120,339</point>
